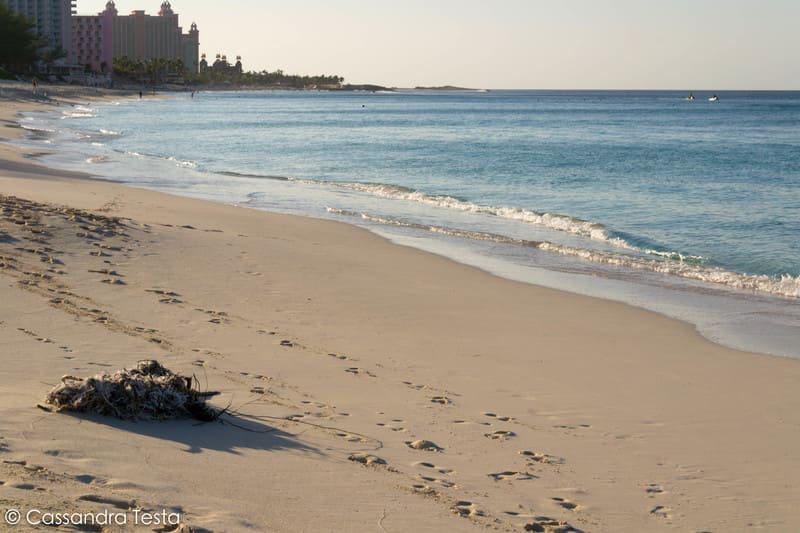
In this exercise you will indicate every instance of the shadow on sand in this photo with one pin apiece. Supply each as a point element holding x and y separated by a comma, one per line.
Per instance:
<point>229,433</point>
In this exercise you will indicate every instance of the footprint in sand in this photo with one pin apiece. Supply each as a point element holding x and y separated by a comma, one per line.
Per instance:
<point>466,509</point>
<point>413,385</point>
<point>366,459</point>
<point>512,475</point>
<point>545,524</point>
<point>346,436</point>
<point>500,434</point>
<point>358,371</point>
<point>443,400</point>
<point>392,427</point>
<point>163,292</point>
<point>501,418</point>
<point>441,470</point>
<point>424,445</point>
<point>542,458</point>
<point>443,482</point>
<point>119,504</point>
<point>419,488</point>
<point>566,504</point>
<point>26,486</point>
<point>107,272</point>
<point>661,511</point>
<point>459,421</point>
<point>652,489</point>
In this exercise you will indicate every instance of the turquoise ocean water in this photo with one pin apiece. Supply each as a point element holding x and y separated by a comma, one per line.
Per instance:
<point>689,208</point>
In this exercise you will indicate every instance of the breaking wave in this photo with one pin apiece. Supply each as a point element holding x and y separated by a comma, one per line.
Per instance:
<point>567,224</point>
<point>670,263</point>
<point>77,114</point>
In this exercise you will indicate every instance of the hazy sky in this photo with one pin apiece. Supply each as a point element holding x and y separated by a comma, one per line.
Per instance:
<point>564,44</point>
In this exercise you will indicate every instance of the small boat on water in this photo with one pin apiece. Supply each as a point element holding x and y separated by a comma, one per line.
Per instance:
<point>713,98</point>
<point>690,97</point>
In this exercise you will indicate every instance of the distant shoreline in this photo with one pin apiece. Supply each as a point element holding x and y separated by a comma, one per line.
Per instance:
<point>447,88</point>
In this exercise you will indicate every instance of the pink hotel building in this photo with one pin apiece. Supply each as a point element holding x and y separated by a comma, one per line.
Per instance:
<point>98,39</point>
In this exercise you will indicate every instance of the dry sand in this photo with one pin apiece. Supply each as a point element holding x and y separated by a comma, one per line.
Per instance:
<point>328,341</point>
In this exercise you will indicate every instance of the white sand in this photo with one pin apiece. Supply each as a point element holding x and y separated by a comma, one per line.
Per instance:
<point>633,421</point>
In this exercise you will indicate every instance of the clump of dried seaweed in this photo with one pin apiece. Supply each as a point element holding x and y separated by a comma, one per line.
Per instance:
<point>148,391</point>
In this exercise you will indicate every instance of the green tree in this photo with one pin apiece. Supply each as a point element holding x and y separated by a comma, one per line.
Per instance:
<point>51,55</point>
<point>19,44</point>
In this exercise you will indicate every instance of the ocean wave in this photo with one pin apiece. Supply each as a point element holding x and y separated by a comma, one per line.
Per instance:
<point>467,234</point>
<point>184,164</point>
<point>110,132</point>
<point>97,159</point>
<point>673,264</point>
<point>171,159</point>
<point>677,256</point>
<point>246,175</point>
<point>563,223</point>
<point>784,285</point>
<point>34,127</point>
<point>77,114</point>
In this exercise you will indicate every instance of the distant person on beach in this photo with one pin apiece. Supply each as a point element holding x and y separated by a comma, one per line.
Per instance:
<point>140,95</point>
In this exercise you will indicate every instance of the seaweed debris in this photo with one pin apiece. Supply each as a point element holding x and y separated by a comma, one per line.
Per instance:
<point>149,391</point>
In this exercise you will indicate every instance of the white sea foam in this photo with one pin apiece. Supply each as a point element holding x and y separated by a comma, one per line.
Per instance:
<point>77,114</point>
<point>567,224</point>
<point>785,285</point>
<point>184,164</point>
<point>33,127</point>
<point>669,263</point>
<point>110,132</point>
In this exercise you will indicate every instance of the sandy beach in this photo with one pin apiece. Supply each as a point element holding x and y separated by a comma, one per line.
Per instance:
<point>549,411</point>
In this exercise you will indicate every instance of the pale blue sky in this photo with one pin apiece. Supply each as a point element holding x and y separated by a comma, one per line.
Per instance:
<point>548,44</point>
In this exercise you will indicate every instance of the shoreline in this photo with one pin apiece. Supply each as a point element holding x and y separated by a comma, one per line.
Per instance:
<point>722,306</point>
<point>632,420</point>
